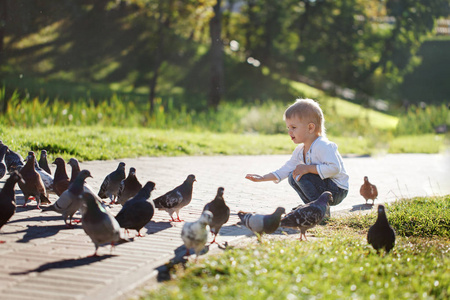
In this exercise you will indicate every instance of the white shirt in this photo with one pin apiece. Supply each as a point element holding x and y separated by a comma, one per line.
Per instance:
<point>322,153</point>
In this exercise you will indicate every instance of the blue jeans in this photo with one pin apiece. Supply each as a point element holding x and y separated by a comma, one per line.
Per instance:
<point>311,186</point>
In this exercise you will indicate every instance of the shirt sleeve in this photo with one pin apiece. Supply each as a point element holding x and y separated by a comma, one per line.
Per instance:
<point>290,165</point>
<point>330,164</point>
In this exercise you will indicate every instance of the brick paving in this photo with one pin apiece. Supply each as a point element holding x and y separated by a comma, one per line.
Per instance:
<point>42,259</point>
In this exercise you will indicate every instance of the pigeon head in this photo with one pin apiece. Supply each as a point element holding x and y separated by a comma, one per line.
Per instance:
<point>132,171</point>
<point>149,186</point>
<point>381,210</point>
<point>72,162</point>
<point>206,217</point>
<point>191,179</point>
<point>58,161</point>
<point>220,191</point>
<point>326,197</point>
<point>43,153</point>
<point>121,166</point>
<point>279,211</point>
<point>84,174</point>
<point>366,179</point>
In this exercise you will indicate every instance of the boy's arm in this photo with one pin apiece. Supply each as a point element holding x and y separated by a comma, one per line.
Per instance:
<point>258,178</point>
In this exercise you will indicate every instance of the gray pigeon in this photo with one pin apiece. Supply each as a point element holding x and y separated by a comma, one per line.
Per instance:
<point>2,164</point>
<point>73,162</point>
<point>8,199</point>
<point>260,224</point>
<point>61,180</point>
<point>137,211</point>
<point>111,183</point>
<point>69,201</point>
<point>43,163</point>
<point>177,198</point>
<point>128,187</point>
<point>32,185</point>
<point>381,234</point>
<point>195,234</point>
<point>99,224</point>
<point>220,211</point>
<point>13,160</point>
<point>308,215</point>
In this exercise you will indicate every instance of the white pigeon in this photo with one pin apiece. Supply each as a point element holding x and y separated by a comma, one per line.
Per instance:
<point>195,234</point>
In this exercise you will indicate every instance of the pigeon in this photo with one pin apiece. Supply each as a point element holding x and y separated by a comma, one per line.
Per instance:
<point>137,211</point>
<point>69,201</point>
<point>98,223</point>
<point>220,211</point>
<point>43,163</point>
<point>308,215</point>
<point>111,183</point>
<point>177,198</point>
<point>32,185</point>
<point>47,179</point>
<point>8,198</point>
<point>381,234</point>
<point>128,187</point>
<point>260,224</point>
<point>61,180</point>
<point>368,190</point>
<point>13,160</point>
<point>2,164</point>
<point>195,234</point>
<point>73,162</point>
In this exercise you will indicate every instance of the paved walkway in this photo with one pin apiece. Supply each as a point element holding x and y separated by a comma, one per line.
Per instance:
<point>43,260</point>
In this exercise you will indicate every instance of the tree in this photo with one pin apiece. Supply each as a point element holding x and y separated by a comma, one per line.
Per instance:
<point>216,59</point>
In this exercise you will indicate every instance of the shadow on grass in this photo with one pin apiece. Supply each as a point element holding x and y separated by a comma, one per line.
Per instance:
<point>360,207</point>
<point>65,263</point>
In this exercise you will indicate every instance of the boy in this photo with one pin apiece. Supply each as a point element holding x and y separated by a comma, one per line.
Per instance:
<point>316,165</point>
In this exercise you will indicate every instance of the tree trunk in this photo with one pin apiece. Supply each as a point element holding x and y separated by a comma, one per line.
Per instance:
<point>215,31</point>
<point>3,16</point>
<point>158,58</point>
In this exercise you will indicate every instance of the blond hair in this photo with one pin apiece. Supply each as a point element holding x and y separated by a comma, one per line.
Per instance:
<point>307,110</point>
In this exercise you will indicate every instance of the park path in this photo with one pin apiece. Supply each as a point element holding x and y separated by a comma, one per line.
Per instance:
<point>43,260</point>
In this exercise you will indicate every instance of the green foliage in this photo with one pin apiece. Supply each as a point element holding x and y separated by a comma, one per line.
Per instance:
<point>340,265</point>
<point>425,119</point>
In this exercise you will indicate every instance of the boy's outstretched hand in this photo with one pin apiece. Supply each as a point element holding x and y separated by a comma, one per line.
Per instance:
<point>254,177</point>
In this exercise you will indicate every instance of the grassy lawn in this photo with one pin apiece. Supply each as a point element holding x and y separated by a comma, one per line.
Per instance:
<point>338,264</point>
<point>102,143</point>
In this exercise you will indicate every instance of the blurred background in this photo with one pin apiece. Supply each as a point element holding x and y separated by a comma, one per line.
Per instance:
<point>226,66</point>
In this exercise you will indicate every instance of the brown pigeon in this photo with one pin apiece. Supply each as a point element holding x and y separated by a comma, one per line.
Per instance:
<point>61,180</point>
<point>308,215</point>
<point>73,162</point>
<point>177,198</point>
<point>381,234</point>
<point>33,185</point>
<point>368,190</point>
<point>8,198</point>
<point>220,211</point>
<point>43,163</point>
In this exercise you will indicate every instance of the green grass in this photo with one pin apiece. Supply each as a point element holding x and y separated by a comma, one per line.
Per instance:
<point>102,143</point>
<point>339,265</point>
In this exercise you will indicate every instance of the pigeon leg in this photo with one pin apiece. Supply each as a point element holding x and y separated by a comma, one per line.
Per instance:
<point>2,242</point>
<point>178,218</point>
<point>139,234</point>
